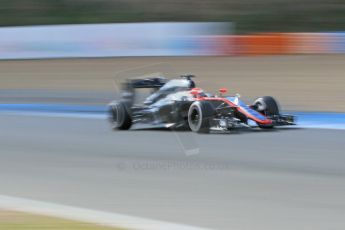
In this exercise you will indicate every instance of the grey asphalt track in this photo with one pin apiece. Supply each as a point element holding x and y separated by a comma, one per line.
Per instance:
<point>257,180</point>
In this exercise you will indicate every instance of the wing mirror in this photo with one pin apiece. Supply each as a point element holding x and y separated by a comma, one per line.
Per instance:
<point>222,91</point>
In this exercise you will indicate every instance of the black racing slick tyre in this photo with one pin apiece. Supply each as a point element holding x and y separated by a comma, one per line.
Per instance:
<point>119,116</point>
<point>200,115</point>
<point>268,106</point>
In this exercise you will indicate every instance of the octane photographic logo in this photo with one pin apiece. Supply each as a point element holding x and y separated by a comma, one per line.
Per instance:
<point>187,164</point>
<point>186,140</point>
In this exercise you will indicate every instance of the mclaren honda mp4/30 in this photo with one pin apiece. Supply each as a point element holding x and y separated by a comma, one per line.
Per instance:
<point>179,104</point>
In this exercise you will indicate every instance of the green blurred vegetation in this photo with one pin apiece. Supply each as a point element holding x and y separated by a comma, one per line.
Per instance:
<point>249,15</point>
<point>10,220</point>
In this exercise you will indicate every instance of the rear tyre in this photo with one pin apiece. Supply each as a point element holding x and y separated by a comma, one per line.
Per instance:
<point>199,116</point>
<point>119,116</point>
<point>268,106</point>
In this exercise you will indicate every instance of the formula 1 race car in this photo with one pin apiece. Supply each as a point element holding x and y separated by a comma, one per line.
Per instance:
<point>178,103</point>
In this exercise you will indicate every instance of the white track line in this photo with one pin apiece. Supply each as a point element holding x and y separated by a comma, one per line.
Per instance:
<point>86,215</point>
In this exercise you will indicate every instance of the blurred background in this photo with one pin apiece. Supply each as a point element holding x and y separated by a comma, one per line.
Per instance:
<point>62,61</point>
<point>249,15</point>
<point>212,39</point>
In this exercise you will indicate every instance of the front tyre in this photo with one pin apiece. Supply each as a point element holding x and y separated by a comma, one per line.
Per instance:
<point>199,116</point>
<point>119,116</point>
<point>268,106</point>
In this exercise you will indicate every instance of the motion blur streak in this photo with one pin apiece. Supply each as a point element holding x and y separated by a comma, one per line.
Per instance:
<point>300,82</point>
<point>158,39</point>
<point>282,43</point>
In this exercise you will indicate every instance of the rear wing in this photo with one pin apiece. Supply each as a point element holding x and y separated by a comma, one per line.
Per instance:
<point>129,95</point>
<point>155,83</point>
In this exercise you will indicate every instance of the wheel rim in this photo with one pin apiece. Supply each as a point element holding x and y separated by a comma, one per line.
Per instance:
<point>260,106</point>
<point>194,118</point>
